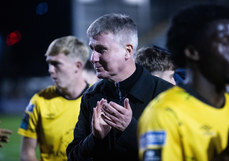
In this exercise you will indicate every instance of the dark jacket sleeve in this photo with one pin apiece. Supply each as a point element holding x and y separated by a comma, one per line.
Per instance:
<point>129,135</point>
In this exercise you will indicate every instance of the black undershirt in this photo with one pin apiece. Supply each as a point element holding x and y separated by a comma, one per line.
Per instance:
<point>122,88</point>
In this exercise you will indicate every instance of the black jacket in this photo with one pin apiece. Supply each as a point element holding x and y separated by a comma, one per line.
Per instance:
<point>117,146</point>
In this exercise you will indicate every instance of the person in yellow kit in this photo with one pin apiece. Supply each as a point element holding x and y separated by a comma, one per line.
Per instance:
<point>190,122</point>
<point>51,115</point>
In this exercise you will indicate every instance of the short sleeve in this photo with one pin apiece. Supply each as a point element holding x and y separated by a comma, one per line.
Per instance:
<point>158,133</point>
<point>28,126</point>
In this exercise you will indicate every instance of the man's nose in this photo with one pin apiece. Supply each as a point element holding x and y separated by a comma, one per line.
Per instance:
<point>94,57</point>
<point>51,69</point>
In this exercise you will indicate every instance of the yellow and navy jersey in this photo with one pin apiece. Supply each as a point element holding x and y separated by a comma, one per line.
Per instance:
<point>50,118</point>
<point>177,126</point>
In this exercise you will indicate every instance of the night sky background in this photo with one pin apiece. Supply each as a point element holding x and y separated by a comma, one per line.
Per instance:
<point>37,25</point>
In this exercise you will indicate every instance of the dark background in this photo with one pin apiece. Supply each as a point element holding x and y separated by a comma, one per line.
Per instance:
<point>64,17</point>
<point>26,58</point>
<point>23,70</point>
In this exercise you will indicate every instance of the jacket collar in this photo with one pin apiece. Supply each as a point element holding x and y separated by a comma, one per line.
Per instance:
<point>139,90</point>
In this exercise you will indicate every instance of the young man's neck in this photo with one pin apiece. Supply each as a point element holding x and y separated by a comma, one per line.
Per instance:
<point>75,90</point>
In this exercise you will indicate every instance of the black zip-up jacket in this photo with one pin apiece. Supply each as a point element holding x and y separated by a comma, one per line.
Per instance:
<point>140,88</point>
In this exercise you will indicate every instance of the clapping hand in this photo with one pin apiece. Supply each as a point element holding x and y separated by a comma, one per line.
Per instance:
<point>100,128</point>
<point>117,116</point>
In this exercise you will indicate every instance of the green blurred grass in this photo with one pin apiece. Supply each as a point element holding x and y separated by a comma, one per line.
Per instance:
<point>11,150</point>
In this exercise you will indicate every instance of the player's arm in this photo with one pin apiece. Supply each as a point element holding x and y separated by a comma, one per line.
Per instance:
<point>158,135</point>
<point>28,149</point>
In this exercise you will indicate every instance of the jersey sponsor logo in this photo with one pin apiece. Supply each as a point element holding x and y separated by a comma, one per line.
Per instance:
<point>206,127</point>
<point>207,130</point>
<point>152,138</point>
<point>30,107</point>
<point>152,155</point>
<point>50,116</point>
<point>25,121</point>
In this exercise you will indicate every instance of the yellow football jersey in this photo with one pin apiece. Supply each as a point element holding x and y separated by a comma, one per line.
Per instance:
<point>51,118</point>
<point>178,127</point>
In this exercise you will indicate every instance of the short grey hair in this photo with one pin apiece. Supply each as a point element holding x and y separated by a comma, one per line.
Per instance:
<point>118,24</point>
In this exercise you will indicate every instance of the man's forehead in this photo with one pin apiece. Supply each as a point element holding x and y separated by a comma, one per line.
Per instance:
<point>101,39</point>
<point>50,58</point>
<point>54,57</point>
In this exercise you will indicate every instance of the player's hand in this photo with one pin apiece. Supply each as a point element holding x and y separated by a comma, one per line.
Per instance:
<point>4,136</point>
<point>100,128</point>
<point>117,116</point>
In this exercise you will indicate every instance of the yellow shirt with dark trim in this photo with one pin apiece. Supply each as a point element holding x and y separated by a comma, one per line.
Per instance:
<point>51,119</point>
<point>178,127</point>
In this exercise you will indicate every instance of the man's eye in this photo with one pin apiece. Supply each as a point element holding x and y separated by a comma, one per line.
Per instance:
<point>91,47</point>
<point>54,63</point>
<point>100,50</point>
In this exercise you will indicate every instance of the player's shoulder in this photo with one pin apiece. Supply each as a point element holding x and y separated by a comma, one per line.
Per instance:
<point>171,96</point>
<point>227,96</point>
<point>174,93</point>
<point>47,92</point>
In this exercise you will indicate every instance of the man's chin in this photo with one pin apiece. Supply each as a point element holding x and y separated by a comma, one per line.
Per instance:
<point>101,75</point>
<point>58,85</point>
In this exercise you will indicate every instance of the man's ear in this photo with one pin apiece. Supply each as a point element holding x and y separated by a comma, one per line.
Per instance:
<point>78,65</point>
<point>191,53</point>
<point>129,51</point>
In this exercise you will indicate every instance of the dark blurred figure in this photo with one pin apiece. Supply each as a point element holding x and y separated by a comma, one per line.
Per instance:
<point>157,61</point>
<point>191,121</point>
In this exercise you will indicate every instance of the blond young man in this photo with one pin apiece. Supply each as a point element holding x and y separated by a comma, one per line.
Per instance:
<point>52,113</point>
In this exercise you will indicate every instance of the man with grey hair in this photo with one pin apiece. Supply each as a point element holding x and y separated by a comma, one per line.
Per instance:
<point>106,129</point>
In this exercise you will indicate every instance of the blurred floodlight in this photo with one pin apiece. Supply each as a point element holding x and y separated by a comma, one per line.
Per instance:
<point>13,38</point>
<point>42,8</point>
<point>87,1</point>
<point>136,2</point>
